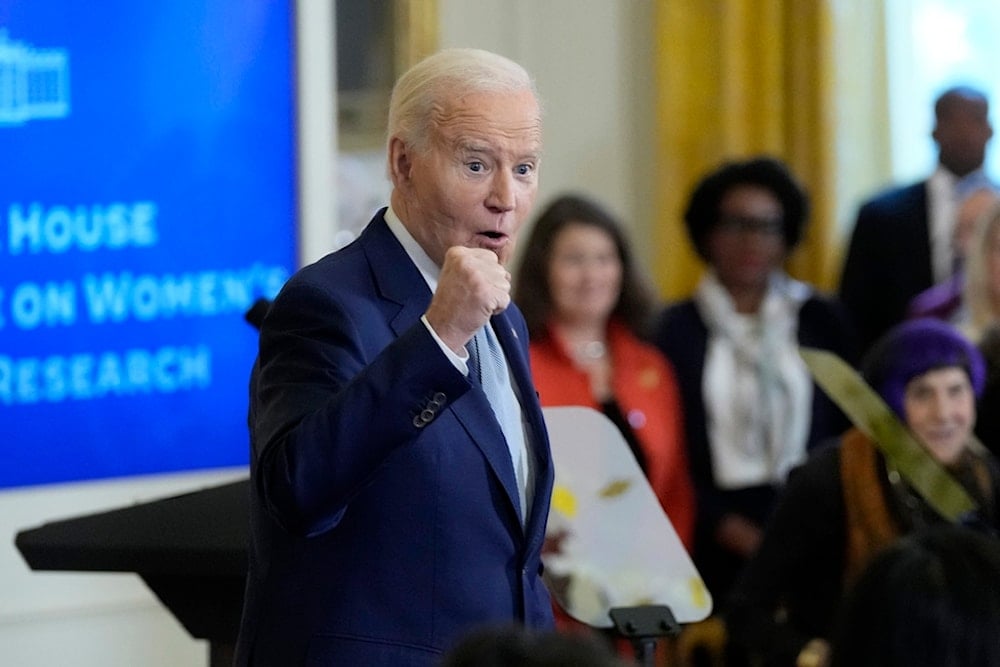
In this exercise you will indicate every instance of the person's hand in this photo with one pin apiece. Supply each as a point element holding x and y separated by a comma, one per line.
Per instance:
<point>814,654</point>
<point>739,534</point>
<point>473,287</point>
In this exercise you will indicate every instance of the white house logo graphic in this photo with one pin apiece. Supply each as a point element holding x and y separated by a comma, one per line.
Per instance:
<point>34,83</point>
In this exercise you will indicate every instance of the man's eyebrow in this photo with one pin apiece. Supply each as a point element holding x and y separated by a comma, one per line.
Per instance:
<point>477,147</point>
<point>472,145</point>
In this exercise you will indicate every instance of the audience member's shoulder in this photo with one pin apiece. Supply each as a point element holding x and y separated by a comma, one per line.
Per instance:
<point>892,196</point>
<point>825,322</point>
<point>818,477</point>
<point>821,458</point>
<point>677,325</point>
<point>923,602</point>
<point>895,204</point>
<point>826,453</point>
<point>824,303</point>
<point>677,314</point>
<point>828,309</point>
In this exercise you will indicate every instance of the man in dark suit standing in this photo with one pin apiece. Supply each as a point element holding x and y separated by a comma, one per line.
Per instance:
<point>394,506</point>
<point>901,244</point>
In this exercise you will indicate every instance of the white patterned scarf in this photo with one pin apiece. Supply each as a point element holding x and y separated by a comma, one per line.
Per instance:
<point>757,389</point>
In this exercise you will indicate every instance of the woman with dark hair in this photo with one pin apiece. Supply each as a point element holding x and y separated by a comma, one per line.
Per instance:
<point>931,599</point>
<point>849,501</point>
<point>751,410</point>
<point>586,305</point>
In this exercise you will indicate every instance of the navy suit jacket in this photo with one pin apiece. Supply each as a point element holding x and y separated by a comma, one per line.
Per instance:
<point>384,513</point>
<point>888,261</point>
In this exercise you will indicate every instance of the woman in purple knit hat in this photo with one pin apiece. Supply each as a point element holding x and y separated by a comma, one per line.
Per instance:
<point>847,503</point>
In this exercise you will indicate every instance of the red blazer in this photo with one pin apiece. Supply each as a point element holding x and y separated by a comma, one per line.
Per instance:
<point>646,389</point>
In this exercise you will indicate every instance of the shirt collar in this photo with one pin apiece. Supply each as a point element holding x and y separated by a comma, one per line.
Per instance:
<point>428,269</point>
<point>949,182</point>
<point>942,179</point>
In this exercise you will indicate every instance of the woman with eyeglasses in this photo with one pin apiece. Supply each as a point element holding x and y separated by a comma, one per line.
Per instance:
<point>751,410</point>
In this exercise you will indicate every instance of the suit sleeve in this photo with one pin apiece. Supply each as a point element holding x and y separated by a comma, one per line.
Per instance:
<point>333,397</point>
<point>860,277</point>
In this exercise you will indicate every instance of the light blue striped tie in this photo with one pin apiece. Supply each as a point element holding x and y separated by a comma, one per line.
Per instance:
<point>494,377</point>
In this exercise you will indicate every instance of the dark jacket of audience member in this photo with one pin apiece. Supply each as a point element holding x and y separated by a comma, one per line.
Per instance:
<point>848,502</point>
<point>891,256</point>
<point>931,600</point>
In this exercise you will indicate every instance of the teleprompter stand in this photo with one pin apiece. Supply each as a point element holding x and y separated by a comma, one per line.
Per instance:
<point>612,558</point>
<point>644,626</point>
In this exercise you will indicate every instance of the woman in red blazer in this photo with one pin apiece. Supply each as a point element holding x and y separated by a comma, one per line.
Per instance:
<point>586,304</point>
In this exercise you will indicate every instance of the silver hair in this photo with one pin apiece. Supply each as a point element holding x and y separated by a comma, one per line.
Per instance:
<point>420,93</point>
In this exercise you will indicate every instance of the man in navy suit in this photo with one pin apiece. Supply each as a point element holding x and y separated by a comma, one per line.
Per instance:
<point>387,517</point>
<point>901,244</point>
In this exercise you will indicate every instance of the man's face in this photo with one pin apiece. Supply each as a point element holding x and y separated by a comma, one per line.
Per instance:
<point>940,409</point>
<point>475,184</point>
<point>962,133</point>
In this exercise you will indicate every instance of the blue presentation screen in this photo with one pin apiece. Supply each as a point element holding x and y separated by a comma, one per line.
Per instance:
<point>147,198</point>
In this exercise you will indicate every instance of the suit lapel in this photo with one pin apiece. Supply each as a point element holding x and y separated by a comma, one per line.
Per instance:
<point>921,243</point>
<point>398,279</point>
<point>400,282</point>
<point>475,414</point>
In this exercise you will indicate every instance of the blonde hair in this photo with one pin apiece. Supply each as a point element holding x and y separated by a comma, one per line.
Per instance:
<point>421,93</point>
<point>977,292</point>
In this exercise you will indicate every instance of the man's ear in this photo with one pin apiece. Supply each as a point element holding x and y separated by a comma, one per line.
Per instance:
<point>399,161</point>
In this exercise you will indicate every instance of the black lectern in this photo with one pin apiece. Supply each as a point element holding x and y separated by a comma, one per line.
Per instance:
<point>189,549</point>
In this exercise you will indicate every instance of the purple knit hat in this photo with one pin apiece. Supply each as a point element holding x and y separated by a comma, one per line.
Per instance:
<point>914,348</point>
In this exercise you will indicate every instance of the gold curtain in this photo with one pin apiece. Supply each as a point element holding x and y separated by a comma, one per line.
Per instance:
<point>416,31</point>
<point>737,78</point>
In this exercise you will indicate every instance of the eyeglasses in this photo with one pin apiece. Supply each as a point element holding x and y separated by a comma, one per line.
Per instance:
<point>747,224</point>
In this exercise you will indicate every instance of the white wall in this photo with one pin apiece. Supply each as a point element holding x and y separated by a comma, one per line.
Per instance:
<point>593,63</point>
<point>934,45</point>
